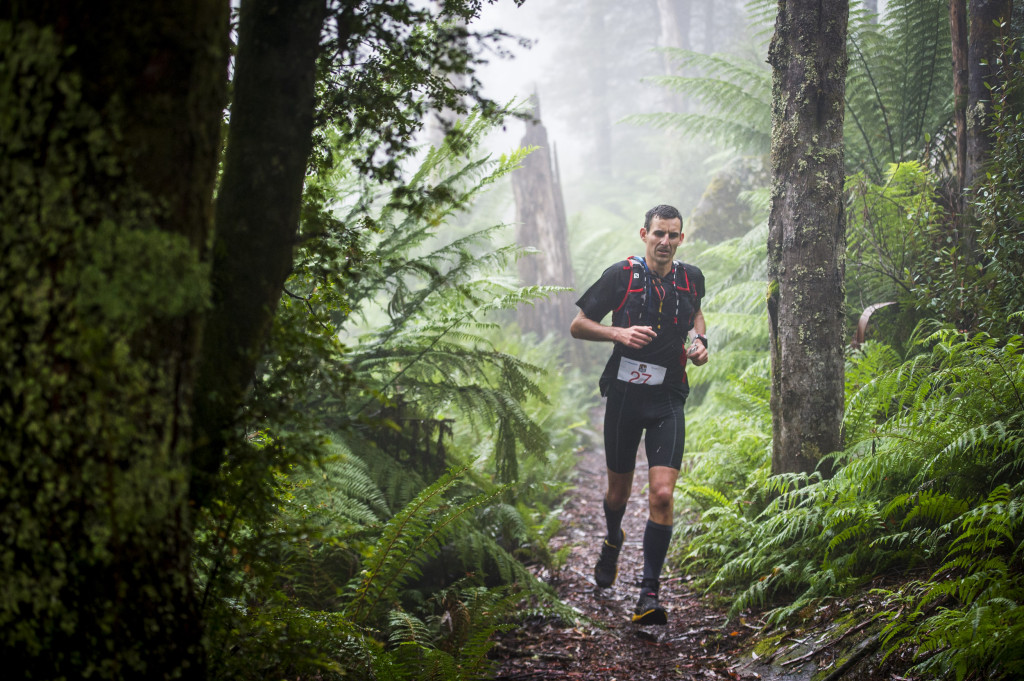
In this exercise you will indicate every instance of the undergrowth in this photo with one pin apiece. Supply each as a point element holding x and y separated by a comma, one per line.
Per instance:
<point>419,463</point>
<point>931,483</point>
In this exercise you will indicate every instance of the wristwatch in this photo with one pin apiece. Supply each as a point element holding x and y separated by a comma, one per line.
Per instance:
<point>703,339</point>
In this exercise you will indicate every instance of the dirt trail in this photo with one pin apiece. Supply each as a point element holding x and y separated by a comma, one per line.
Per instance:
<point>698,642</point>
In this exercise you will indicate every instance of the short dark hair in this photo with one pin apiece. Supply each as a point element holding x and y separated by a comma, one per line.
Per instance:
<point>664,212</point>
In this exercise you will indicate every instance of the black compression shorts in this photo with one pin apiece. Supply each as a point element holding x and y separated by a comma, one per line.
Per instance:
<point>630,410</point>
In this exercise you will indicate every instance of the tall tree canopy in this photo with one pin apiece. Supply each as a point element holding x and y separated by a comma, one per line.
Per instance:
<point>133,311</point>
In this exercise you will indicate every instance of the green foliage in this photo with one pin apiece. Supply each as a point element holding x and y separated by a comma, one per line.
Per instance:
<point>932,479</point>
<point>735,97</point>
<point>736,272</point>
<point>93,470</point>
<point>995,287</point>
<point>906,246</point>
<point>899,86</point>
<point>379,379</point>
<point>385,67</point>
<point>304,587</point>
<point>888,237</point>
<point>898,89</point>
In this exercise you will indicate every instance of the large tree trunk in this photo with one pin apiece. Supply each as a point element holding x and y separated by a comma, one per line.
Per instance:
<point>257,210</point>
<point>983,53</point>
<point>807,234</point>
<point>108,155</point>
<point>541,224</point>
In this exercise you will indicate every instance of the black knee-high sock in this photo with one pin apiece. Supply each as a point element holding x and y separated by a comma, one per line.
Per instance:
<point>656,540</point>
<point>613,518</point>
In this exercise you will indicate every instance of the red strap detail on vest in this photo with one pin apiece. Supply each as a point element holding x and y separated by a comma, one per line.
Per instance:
<point>629,284</point>
<point>686,277</point>
<point>629,280</point>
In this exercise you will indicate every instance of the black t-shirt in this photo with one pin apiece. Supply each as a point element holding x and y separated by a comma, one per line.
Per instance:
<point>670,306</point>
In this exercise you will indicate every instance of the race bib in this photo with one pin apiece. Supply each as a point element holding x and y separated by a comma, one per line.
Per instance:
<point>632,371</point>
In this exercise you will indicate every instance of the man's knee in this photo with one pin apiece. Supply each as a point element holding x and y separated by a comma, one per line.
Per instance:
<point>660,498</point>
<point>620,486</point>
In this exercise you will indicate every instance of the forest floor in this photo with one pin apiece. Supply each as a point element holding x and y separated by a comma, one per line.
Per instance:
<point>699,641</point>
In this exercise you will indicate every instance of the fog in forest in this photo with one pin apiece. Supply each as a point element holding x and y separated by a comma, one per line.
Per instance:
<point>591,65</point>
<point>587,65</point>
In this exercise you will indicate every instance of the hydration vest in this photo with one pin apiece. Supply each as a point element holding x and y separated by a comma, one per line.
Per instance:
<point>642,304</point>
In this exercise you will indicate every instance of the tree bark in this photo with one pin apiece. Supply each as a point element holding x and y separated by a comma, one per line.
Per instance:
<point>541,224</point>
<point>958,33</point>
<point>108,156</point>
<point>807,239</point>
<point>257,210</point>
<point>983,52</point>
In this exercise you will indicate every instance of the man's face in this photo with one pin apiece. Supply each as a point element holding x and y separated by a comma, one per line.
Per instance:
<point>662,240</point>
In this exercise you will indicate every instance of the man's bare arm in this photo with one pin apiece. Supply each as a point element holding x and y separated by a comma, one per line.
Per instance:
<point>699,325</point>
<point>585,328</point>
<point>698,354</point>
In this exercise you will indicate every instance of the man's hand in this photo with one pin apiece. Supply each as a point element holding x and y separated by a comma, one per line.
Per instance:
<point>697,353</point>
<point>636,336</point>
<point>632,337</point>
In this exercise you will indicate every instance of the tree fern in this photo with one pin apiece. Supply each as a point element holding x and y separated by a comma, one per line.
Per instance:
<point>899,86</point>
<point>374,365</point>
<point>734,94</point>
<point>898,91</point>
<point>931,477</point>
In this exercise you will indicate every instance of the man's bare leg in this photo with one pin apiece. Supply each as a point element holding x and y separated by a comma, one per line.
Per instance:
<point>620,486</point>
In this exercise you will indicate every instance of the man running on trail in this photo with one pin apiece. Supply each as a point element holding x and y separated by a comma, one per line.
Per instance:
<point>655,306</point>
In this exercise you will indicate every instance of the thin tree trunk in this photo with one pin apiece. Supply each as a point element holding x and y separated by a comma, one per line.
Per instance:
<point>974,141</point>
<point>958,31</point>
<point>674,16</point>
<point>257,209</point>
<point>982,55</point>
<point>807,239</point>
<point>597,76</point>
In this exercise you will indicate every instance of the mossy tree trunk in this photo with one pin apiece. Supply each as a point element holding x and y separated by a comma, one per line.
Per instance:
<point>109,150</point>
<point>807,232</point>
<point>108,155</point>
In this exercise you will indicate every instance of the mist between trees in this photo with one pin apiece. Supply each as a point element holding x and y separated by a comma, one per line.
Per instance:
<point>273,401</point>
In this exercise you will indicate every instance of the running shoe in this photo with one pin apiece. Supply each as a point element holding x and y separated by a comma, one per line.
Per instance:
<point>648,611</point>
<point>607,568</point>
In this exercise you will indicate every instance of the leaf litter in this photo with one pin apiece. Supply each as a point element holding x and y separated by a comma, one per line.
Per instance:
<point>699,641</point>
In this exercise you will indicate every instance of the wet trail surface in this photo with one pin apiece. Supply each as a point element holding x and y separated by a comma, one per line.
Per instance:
<point>699,641</point>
